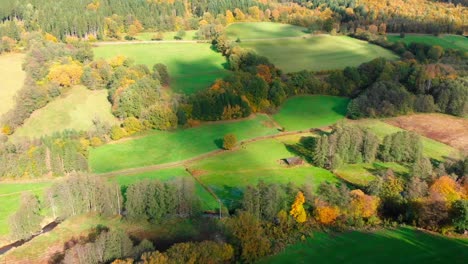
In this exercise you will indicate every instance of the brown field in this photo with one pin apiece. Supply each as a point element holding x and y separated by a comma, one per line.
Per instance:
<point>447,129</point>
<point>12,78</point>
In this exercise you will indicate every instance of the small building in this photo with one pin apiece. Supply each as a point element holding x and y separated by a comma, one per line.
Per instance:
<point>293,161</point>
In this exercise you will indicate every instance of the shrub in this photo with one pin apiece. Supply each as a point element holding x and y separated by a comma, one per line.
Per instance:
<point>230,141</point>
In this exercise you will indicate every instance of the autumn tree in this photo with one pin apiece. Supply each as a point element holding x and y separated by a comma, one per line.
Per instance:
<point>446,189</point>
<point>363,205</point>
<point>324,213</point>
<point>229,141</point>
<point>25,222</point>
<point>66,74</point>
<point>297,208</point>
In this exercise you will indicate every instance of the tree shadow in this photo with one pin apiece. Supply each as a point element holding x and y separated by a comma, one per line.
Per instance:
<point>219,143</point>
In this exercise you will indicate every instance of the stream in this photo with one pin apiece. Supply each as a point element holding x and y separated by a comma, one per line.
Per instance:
<point>18,243</point>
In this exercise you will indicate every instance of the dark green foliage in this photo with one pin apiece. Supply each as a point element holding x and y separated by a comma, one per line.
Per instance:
<point>163,73</point>
<point>459,215</point>
<point>451,96</point>
<point>422,168</point>
<point>333,195</point>
<point>402,146</point>
<point>264,201</point>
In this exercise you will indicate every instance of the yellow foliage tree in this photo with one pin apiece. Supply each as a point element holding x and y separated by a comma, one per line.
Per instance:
<point>446,189</point>
<point>324,213</point>
<point>229,17</point>
<point>363,205</point>
<point>6,130</point>
<point>50,37</point>
<point>297,208</point>
<point>66,74</point>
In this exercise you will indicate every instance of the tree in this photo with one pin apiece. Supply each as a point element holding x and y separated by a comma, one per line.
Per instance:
<point>117,132</point>
<point>163,73</point>
<point>435,53</point>
<point>229,141</point>
<point>363,205</point>
<point>66,74</point>
<point>25,222</point>
<point>326,214</point>
<point>446,189</point>
<point>297,208</point>
<point>459,215</point>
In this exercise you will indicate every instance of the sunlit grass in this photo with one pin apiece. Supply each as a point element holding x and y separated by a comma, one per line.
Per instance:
<point>12,78</point>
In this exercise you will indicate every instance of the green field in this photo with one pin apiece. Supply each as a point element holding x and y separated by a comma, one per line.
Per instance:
<point>147,36</point>
<point>207,200</point>
<point>362,174</point>
<point>445,41</point>
<point>75,109</point>
<point>264,30</point>
<point>304,112</point>
<point>12,78</point>
<point>229,173</point>
<point>192,66</point>
<point>10,197</point>
<point>432,148</point>
<point>318,52</point>
<point>163,147</point>
<point>403,245</point>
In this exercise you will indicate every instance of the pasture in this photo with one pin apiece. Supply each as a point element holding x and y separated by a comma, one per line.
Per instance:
<point>318,53</point>
<point>264,30</point>
<point>402,245</point>
<point>432,149</point>
<point>305,112</point>
<point>12,77</point>
<point>75,109</point>
<point>445,41</point>
<point>10,197</point>
<point>147,36</point>
<point>208,202</point>
<point>447,129</point>
<point>362,174</point>
<point>228,173</point>
<point>192,66</point>
<point>163,147</point>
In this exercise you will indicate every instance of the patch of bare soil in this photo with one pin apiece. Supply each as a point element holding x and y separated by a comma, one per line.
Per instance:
<point>447,129</point>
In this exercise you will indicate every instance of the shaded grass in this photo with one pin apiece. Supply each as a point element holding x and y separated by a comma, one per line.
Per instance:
<point>207,200</point>
<point>445,41</point>
<point>362,174</point>
<point>75,109</point>
<point>318,52</point>
<point>229,173</point>
<point>403,245</point>
<point>12,78</point>
<point>192,66</point>
<point>147,36</point>
<point>163,147</point>
<point>433,149</point>
<point>261,30</point>
<point>304,112</point>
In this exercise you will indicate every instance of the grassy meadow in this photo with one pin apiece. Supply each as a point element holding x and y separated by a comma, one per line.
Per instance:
<point>264,30</point>
<point>229,173</point>
<point>362,174</point>
<point>192,66</point>
<point>75,109</point>
<point>445,41</point>
<point>147,36</point>
<point>305,112</point>
<point>12,78</point>
<point>318,52</point>
<point>402,245</point>
<point>163,147</point>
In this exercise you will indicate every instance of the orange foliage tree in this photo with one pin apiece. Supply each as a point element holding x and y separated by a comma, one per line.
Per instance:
<point>297,208</point>
<point>446,189</point>
<point>363,205</point>
<point>324,213</point>
<point>66,74</point>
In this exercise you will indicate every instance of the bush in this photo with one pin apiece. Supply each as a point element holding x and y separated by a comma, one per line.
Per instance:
<point>230,141</point>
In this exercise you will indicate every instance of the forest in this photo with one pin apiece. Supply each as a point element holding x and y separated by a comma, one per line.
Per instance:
<point>254,165</point>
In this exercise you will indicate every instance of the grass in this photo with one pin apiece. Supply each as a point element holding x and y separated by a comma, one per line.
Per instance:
<point>318,52</point>
<point>10,197</point>
<point>263,30</point>
<point>192,66</point>
<point>163,147</point>
<point>445,41</point>
<point>12,77</point>
<point>209,203</point>
<point>75,109</point>
<point>304,112</point>
<point>147,36</point>
<point>362,174</point>
<point>433,149</point>
<point>403,245</point>
<point>229,173</point>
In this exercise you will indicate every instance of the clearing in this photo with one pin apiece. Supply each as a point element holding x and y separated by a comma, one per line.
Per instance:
<point>230,172</point>
<point>164,147</point>
<point>448,129</point>
<point>305,112</point>
<point>362,174</point>
<point>192,66</point>
<point>74,109</point>
<point>445,41</point>
<point>12,76</point>
<point>317,53</point>
<point>402,245</point>
<point>264,30</point>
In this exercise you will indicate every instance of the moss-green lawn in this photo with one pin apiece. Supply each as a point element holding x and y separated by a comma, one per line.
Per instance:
<point>317,53</point>
<point>192,66</point>
<point>402,245</point>
<point>263,30</point>
<point>304,112</point>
